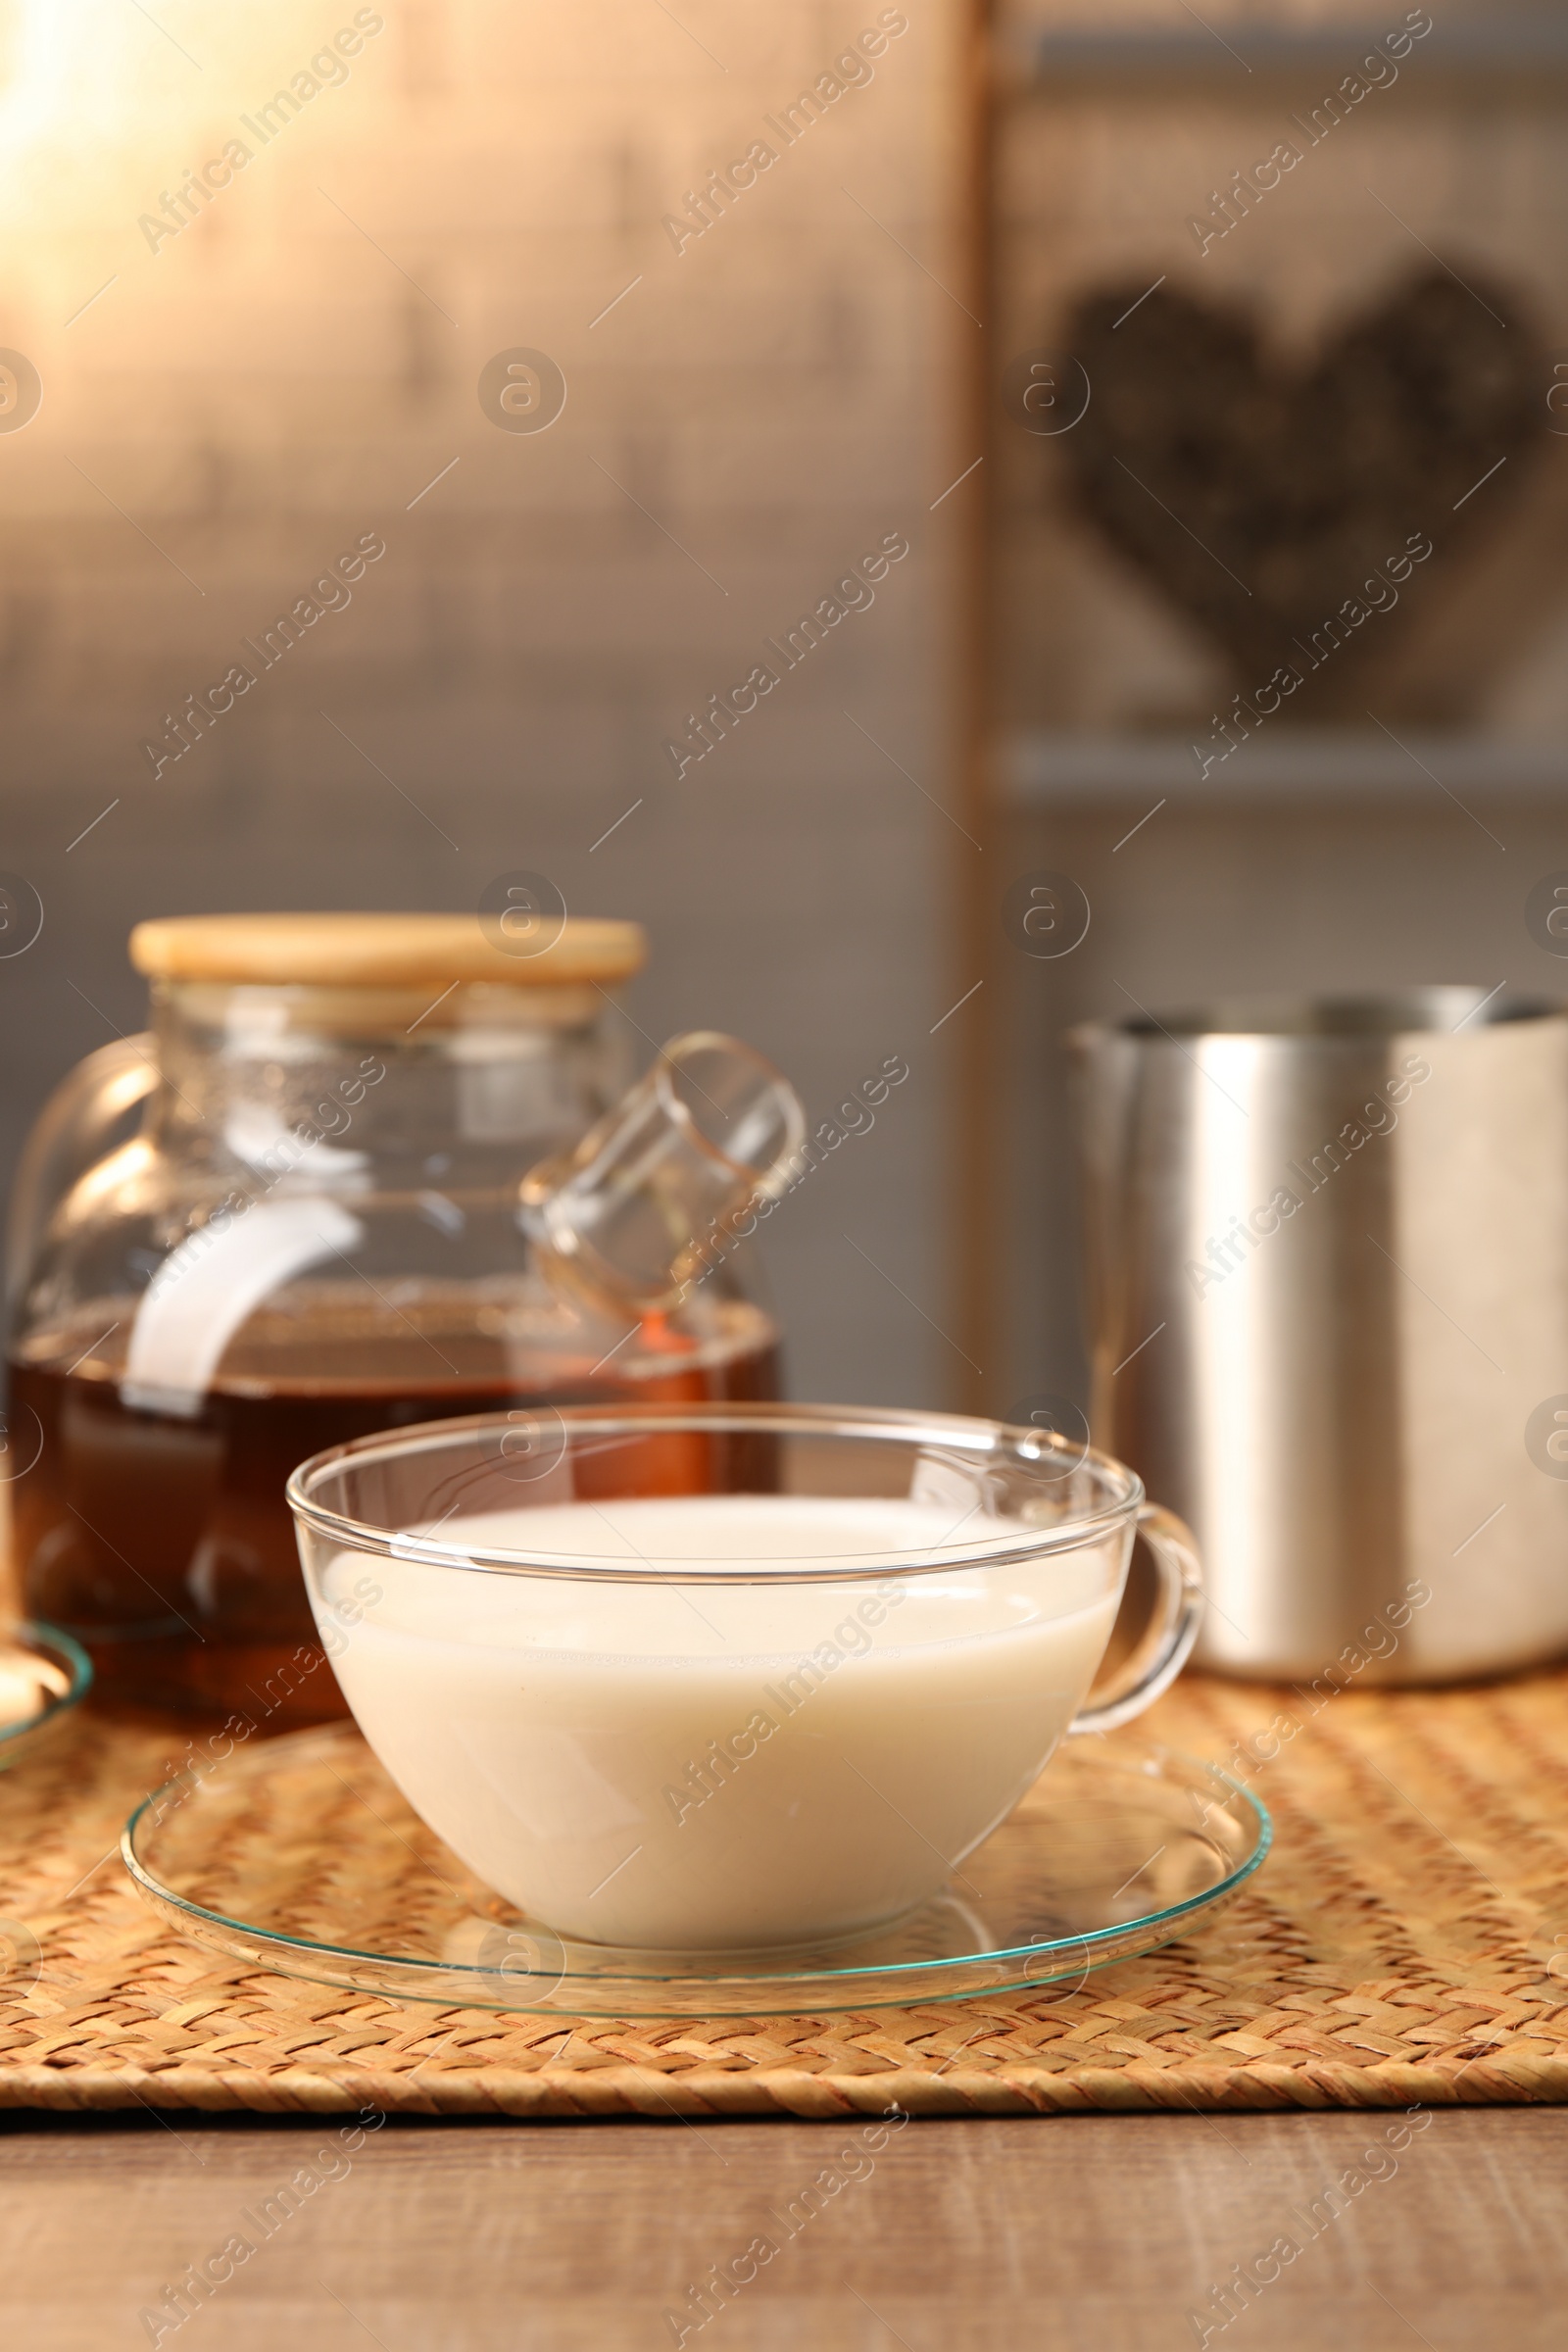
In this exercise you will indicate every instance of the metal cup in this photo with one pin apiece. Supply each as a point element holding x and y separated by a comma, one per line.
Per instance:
<point>1327,1253</point>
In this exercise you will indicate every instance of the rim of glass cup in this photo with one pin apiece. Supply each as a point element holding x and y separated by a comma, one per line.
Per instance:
<point>979,1440</point>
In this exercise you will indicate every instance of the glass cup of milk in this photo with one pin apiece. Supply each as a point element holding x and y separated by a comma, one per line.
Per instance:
<point>728,1677</point>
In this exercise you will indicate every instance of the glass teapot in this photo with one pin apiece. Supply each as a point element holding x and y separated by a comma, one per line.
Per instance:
<point>291,1214</point>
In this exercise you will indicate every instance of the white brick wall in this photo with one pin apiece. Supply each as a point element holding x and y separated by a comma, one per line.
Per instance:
<point>269,384</point>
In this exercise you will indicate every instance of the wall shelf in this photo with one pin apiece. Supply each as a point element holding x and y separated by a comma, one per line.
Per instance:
<point>1093,127</point>
<point>1060,769</point>
<point>1506,49</point>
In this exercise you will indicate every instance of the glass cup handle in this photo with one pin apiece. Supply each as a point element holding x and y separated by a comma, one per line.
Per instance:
<point>1172,1629</point>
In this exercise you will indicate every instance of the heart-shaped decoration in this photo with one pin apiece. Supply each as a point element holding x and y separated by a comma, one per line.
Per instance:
<point>1269,502</point>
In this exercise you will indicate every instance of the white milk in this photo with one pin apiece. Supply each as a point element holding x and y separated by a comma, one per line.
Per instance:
<point>685,1765</point>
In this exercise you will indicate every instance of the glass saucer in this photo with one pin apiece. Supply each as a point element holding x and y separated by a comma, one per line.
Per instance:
<point>300,1855</point>
<point>43,1674</point>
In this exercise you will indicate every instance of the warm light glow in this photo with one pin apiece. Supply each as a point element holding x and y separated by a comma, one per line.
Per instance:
<point>102,108</point>
<point>68,65</point>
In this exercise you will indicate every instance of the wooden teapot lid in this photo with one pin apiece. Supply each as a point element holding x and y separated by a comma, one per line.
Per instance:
<point>379,951</point>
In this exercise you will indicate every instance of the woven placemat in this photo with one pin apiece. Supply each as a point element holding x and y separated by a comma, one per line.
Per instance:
<point>1407,1941</point>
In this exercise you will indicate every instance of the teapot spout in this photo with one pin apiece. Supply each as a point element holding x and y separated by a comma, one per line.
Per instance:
<point>655,1193</point>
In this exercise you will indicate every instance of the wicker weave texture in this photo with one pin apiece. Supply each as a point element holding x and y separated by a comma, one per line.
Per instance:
<point>1407,1941</point>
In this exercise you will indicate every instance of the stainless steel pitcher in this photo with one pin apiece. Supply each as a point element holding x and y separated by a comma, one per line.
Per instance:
<point>1328,1290</point>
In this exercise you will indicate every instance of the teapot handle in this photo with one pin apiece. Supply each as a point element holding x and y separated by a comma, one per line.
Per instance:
<point>72,1132</point>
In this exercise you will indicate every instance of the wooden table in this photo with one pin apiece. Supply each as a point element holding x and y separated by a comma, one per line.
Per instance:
<point>1091,2233</point>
